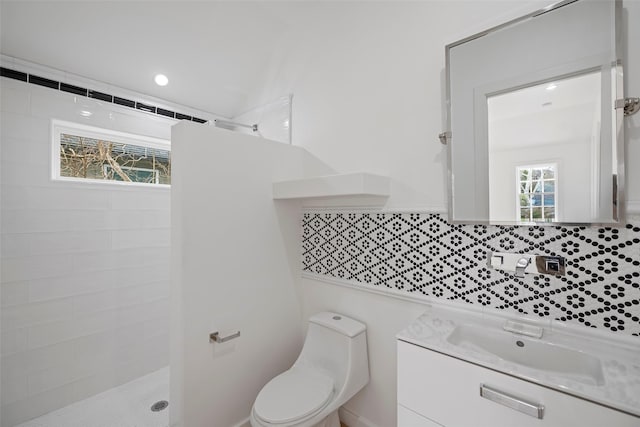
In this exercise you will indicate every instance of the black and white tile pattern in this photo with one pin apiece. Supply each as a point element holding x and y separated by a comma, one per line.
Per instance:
<point>423,255</point>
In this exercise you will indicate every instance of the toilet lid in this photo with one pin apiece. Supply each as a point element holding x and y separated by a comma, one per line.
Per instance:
<point>292,395</point>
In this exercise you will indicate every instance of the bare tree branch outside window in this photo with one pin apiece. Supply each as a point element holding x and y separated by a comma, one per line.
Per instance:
<point>82,157</point>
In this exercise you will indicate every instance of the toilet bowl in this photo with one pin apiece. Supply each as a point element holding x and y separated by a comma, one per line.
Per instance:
<point>332,367</point>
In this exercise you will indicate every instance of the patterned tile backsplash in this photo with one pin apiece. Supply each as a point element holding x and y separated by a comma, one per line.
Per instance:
<point>423,255</point>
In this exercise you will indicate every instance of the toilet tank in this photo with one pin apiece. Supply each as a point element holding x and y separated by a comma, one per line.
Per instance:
<point>337,345</point>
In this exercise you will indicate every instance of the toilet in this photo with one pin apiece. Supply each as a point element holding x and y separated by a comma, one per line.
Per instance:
<point>332,367</point>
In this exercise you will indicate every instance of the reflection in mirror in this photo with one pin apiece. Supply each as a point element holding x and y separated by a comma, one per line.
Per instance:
<point>534,134</point>
<point>544,151</point>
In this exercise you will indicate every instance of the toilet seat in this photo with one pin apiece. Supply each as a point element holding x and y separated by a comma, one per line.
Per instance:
<point>293,395</point>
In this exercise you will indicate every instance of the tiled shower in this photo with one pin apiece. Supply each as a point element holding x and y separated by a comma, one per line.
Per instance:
<point>85,276</point>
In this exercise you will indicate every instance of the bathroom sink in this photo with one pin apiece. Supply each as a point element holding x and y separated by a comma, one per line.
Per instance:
<point>533,353</point>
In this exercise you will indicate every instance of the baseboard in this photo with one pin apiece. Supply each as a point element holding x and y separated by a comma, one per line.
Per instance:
<point>351,419</point>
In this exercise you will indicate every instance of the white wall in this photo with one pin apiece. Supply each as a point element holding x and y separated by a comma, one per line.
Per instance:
<point>235,267</point>
<point>85,278</point>
<point>368,84</point>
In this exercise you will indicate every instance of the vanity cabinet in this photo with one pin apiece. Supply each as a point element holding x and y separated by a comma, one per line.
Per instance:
<point>435,389</point>
<point>408,418</point>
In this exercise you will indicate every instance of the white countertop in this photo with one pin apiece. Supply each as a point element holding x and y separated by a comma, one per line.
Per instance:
<point>619,356</point>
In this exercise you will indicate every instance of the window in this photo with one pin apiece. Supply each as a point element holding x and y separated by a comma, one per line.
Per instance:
<point>150,176</point>
<point>88,153</point>
<point>536,198</point>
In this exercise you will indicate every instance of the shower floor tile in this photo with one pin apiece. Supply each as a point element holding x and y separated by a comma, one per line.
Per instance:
<point>127,405</point>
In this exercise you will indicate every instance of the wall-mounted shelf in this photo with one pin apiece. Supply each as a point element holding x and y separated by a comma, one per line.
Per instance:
<point>349,184</point>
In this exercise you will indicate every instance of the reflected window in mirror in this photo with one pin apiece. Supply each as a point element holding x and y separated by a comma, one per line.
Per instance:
<point>536,198</point>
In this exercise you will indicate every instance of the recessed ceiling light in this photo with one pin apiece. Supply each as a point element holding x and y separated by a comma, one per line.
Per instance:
<point>161,79</point>
<point>552,86</point>
<point>86,113</point>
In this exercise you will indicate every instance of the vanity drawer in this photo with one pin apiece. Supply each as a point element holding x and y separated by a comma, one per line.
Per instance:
<point>447,391</point>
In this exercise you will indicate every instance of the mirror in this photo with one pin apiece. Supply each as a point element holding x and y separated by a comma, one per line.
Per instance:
<point>535,137</point>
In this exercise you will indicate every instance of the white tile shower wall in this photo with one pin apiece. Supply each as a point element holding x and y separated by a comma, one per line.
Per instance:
<point>423,256</point>
<point>85,278</point>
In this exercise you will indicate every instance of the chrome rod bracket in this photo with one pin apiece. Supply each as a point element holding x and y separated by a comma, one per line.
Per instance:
<point>444,137</point>
<point>629,105</point>
<point>215,337</point>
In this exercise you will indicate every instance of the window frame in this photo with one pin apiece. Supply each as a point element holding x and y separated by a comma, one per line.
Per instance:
<point>59,127</point>
<point>518,171</point>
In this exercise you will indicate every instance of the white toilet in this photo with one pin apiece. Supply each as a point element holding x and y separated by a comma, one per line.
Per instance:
<point>332,367</point>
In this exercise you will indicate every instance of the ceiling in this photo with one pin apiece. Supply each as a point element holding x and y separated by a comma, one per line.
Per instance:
<point>220,56</point>
<point>214,53</point>
<point>559,111</point>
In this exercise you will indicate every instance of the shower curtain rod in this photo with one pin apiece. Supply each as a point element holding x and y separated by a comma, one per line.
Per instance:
<point>229,123</point>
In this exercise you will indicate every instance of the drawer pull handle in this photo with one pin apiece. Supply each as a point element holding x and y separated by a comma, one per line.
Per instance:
<point>533,409</point>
